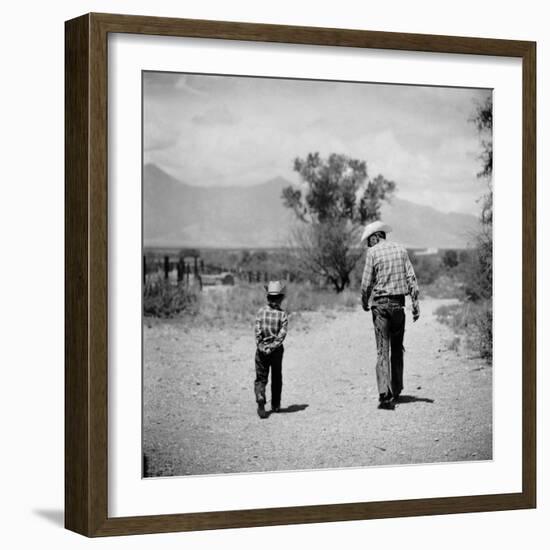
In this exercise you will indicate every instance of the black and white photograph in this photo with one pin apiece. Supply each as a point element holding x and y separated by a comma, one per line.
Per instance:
<point>317,274</point>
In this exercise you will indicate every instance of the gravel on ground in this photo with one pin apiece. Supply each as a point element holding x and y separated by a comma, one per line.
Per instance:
<point>200,414</point>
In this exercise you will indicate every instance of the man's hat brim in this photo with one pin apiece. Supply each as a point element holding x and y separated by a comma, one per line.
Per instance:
<point>374,227</point>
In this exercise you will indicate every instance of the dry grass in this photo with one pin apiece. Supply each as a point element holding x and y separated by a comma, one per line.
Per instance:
<point>239,304</point>
<point>219,305</point>
<point>163,299</point>
<point>444,286</point>
<point>472,321</point>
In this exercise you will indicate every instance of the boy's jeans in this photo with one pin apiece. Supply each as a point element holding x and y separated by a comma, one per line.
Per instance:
<point>263,362</point>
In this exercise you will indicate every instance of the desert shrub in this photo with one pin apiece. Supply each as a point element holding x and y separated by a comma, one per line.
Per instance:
<point>448,314</point>
<point>480,335</point>
<point>426,267</point>
<point>450,258</point>
<point>445,286</point>
<point>163,299</point>
<point>454,344</point>
<point>477,272</point>
<point>474,321</point>
<point>478,290</point>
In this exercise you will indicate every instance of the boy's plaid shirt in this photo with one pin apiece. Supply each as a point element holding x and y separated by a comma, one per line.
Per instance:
<point>270,327</point>
<point>388,271</point>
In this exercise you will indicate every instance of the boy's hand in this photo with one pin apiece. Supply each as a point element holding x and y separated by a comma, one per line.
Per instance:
<point>264,348</point>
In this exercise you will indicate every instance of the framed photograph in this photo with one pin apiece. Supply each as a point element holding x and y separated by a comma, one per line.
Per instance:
<point>300,275</point>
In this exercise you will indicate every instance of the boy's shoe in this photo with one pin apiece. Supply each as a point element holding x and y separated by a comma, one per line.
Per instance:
<point>261,410</point>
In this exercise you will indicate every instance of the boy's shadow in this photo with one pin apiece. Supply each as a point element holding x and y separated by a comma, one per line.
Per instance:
<point>292,409</point>
<point>413,399</point>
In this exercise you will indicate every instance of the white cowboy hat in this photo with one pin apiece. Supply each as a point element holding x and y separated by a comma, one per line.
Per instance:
<point>275,288</point>
<point>373,228</point>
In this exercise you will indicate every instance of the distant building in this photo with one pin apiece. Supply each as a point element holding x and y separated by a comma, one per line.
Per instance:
<point>426,252</point>
<point>226,279</point>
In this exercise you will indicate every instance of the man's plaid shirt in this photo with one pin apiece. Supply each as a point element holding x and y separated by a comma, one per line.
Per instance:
<point>388,271</point>
<point>271,326</point>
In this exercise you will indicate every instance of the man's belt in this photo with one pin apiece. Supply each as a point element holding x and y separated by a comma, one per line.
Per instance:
<point>393,299</point>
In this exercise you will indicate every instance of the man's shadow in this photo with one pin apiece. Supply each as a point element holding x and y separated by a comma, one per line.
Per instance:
<point>413,399</point>
<point>292,409</point>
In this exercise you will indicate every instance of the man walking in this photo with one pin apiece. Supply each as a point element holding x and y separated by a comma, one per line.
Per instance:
<point>387,278</point>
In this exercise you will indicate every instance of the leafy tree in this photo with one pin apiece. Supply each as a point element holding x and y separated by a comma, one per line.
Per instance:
<point>336,189</point>
<point>479,279</point>
<point>338,198</point>
<point>479,270</point>
<point>483,119</point>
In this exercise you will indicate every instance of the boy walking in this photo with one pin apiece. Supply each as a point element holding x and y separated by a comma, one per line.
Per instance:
<point>270,331</point>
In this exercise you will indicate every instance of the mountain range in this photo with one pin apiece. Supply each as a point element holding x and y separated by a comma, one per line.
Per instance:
<point>176,214</point>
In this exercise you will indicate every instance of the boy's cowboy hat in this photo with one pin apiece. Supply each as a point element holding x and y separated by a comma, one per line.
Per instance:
<point>373,228</point>
<point>274,288</point>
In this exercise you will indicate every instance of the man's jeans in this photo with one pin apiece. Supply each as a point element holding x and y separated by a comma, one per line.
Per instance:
<point>388,316</point>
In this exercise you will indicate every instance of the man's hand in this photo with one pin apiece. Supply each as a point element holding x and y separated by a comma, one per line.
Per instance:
<point>416,313</point>
<point>365,304</point>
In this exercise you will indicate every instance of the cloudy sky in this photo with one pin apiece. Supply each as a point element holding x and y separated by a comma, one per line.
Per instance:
<point>219,130</point>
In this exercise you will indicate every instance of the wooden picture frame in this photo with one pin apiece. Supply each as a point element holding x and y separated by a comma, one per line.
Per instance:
<point>86,280</point>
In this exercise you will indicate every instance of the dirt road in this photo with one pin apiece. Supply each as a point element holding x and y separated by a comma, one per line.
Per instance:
<point>200,415</point>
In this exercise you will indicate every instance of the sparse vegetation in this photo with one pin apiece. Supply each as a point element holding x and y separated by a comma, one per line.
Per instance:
<point>473,317</point>
<point>308,291</point>
<point>163,299</point>
<point>472,322</point>
<point>238,304</point>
